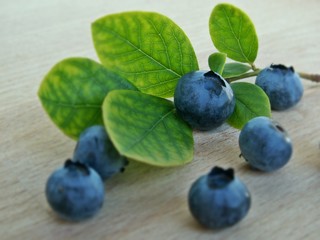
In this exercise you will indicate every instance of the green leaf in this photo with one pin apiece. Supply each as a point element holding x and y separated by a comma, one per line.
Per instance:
<point>146,128</point>
<point>234,69</point>
<point>73,91</point>
<point>233,33</point>
<point>217,62</point>
<point>251,101</point>
<point>146,48</point>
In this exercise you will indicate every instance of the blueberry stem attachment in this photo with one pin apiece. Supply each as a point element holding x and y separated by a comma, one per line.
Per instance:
<point>219,177</point>
<point>77,166</point>
<point>310,76</point>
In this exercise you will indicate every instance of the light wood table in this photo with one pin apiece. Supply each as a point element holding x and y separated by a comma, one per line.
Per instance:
<point>147,202</point>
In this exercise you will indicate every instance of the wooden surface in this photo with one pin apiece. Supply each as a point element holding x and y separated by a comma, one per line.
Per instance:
<point>147,202</point>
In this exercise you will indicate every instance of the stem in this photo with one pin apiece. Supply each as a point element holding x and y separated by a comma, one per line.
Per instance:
<point>253,66</point>
<point>314,77</point>
<point>310,76</point>
<point>245,75</point>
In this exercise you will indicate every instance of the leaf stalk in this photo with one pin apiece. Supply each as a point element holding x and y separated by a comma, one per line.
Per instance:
<point>245,75</point>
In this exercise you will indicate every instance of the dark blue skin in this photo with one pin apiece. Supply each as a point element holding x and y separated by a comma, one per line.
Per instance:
<point>282,85</point>
<point>219,199</point>
<point>204,99</point>
<point>264,144</point>
<point>75,192</point>
<point>95,149</point>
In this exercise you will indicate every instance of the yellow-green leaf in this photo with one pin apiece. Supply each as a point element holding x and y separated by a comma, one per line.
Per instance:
<point>73,91</point>
<point>233,33</point>
<point>146,48</point>
<point>251,101</point>
<point>146,128</point>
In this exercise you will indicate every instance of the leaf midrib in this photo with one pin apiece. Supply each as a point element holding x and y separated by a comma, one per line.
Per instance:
<point>140,50</point>
<point>148,131</point>
<point>234,35</point>
<point>245,106</point>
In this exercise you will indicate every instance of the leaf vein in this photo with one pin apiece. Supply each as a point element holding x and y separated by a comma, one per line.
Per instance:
<point>117,35</point>
<point>162,40</point>
<point>148,131</point>
<point>237,39</point>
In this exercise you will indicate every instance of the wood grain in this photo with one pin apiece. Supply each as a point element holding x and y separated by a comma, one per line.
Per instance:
<point>147,202</point>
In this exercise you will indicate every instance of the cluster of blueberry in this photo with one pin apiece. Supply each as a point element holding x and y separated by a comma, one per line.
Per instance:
<point>205,101</point>
<point>219,199</point>
<point>76,191</point>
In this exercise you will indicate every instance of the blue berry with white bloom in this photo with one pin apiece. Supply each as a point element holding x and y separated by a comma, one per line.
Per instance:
<point>282,85</point>
<point>75,191</point>
<point>204,99</point>
<point>95,149</point>
<point>265,144</point>
<point>219,199</point>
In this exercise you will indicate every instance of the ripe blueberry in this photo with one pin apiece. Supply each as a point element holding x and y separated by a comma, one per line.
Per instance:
<point>264,144</point>
<point>95,149</point>
<point>75,192</point>
<point>219,199</point>
<point>204,99</point>
<point>282,85</point>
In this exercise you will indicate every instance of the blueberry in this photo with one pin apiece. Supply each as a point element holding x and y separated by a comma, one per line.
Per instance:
<point>219,199</point>
<point>75,192</point>
<point>264,144</point>
<point>282,85</point>
<point>204,99</point>
<point>95,149</point>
